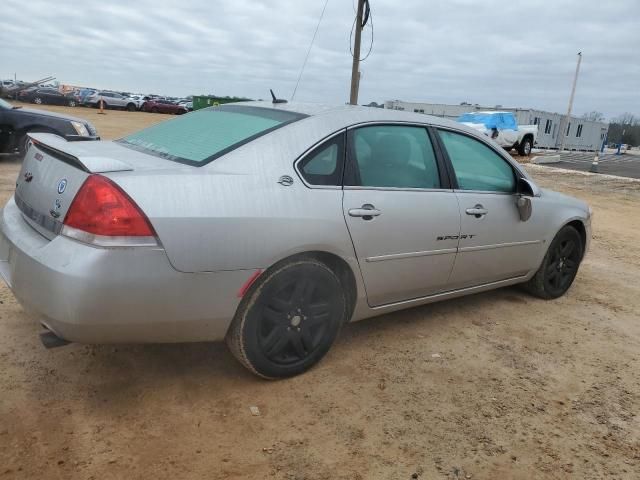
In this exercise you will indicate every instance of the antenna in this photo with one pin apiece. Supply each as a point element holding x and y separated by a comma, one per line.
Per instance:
<point>276,100</point>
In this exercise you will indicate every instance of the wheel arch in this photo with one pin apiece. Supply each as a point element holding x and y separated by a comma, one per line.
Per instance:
<point>335,262</point>
<point>525,137</point>
<point>582,230</point>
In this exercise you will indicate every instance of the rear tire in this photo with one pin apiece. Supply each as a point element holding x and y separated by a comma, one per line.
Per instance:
<point>289,320</point>
<point>37,101</point>
<point>524,149</point>
<point>72,103</point>
<point>154,109</point>
<point>559,267</point>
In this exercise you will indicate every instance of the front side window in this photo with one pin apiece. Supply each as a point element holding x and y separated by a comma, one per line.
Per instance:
<point>323,165</point>
<point>393,156</point>
<point>477,167</point>
<point>206,134</point>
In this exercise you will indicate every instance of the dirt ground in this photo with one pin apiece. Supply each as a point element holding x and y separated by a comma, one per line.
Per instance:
<point>520,388</point>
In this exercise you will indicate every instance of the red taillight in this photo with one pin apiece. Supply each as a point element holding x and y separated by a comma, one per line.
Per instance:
<point>102,208</point>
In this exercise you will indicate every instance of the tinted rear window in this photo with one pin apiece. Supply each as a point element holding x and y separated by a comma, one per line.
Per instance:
<point>202,136</point>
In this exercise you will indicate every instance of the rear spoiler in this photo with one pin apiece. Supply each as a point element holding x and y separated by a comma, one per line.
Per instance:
<point>73,154</point>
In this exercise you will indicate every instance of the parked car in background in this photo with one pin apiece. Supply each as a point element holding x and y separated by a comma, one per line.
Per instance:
<point>23,95</point>
<point>17,122</point>
<point>82,94</point>
<point>111,100</point>
<point>137,99</point>
<point>163,106</point>
<point>188,104</point>
<point>504,129</point>
<point>273,225</point>
<point>49,96</point>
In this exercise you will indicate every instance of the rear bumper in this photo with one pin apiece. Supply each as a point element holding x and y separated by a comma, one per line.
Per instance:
<point>99,295</point>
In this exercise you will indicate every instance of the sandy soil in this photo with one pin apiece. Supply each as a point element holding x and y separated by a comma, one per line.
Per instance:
<point>520,389</point>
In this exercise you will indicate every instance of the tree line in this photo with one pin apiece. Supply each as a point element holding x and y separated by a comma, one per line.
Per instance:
<point>624,128</point>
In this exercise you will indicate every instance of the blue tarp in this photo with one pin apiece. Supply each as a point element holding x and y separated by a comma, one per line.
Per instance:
<point>499,120</point>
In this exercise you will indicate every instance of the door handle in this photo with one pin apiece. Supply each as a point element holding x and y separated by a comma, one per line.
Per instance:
<point>478,211</point>
<point>367,212</point>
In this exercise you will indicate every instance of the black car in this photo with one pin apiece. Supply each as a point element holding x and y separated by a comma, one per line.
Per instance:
<point>50,96</point>
<point>16,122</point>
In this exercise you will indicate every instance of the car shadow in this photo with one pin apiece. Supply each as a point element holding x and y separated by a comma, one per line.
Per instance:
<point>115,373</point>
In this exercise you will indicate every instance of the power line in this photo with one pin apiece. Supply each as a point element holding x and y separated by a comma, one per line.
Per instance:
<point>363,14</point>
<point>369,16</point>
<point>304,64</point>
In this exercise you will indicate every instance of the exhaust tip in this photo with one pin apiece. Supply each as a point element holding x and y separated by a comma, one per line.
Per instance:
<point>51,340</point>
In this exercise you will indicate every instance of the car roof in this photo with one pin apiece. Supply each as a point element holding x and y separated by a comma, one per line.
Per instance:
<point>343,115</point>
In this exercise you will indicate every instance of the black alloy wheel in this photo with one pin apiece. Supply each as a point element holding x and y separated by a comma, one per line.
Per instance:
<point>560,265</point>
<point>290,320</point>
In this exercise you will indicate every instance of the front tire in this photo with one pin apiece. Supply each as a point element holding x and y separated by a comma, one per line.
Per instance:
<point>524,149</point>
<point>131,107</point>
<point>37,101</point>
<point>559,267</point>
<point>288,322</point>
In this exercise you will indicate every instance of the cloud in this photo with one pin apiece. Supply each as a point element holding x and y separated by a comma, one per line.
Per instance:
<point>517,53</point>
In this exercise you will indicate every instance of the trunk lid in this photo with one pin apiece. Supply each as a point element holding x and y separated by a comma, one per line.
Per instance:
<point>53,171</point>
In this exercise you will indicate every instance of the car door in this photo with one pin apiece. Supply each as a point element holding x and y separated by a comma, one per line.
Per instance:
<point>49,96</point>
<point>495,244</point>
<point>117,100</point>
<point>401,213</point>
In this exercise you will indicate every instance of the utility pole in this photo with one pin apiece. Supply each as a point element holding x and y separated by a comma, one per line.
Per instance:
<point>355,70</point>
<point>563,129</point>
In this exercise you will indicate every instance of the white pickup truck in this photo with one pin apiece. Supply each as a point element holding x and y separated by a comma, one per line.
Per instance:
<point>504,129</point>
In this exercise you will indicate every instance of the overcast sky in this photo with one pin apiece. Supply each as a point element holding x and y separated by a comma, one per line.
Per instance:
<point>513,53</point>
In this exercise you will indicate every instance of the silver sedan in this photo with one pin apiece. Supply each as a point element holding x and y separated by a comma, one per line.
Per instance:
<point>272,225</point>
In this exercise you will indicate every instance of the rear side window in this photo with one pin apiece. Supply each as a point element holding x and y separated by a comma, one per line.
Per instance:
<point>477,167</point>
<point>324,164</point>
<point>202,136</point>
<point>393,156</point>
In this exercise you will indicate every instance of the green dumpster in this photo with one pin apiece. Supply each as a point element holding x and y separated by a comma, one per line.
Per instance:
<point>204,101</point>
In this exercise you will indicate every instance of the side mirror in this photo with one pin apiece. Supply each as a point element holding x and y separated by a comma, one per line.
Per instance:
<point>528,188</point>
<point>524,208</point>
